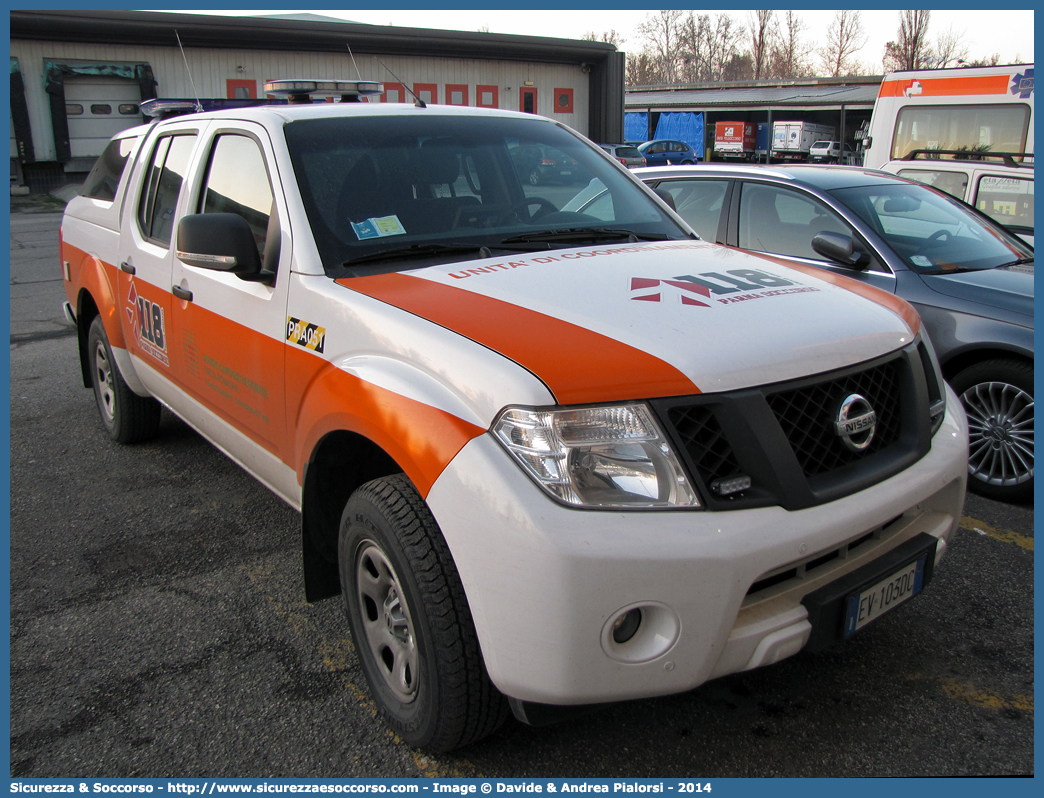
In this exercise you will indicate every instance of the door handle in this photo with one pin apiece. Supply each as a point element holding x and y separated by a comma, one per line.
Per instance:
<point>126,267</point>
<point>182,293</point>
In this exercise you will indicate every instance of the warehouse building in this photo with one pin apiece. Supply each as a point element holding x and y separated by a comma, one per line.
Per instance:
<point>685,112</point>
<point>78,77</point>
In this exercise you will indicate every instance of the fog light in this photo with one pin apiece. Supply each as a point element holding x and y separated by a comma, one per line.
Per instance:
<point>625,627</point>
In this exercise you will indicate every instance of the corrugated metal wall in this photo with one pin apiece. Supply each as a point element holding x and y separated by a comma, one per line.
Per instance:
<point>211,68</point>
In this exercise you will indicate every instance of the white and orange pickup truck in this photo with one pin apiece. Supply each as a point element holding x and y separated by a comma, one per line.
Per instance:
<point>548,460</point>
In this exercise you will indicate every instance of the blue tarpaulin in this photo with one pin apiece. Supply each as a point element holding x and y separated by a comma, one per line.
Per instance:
<point>636,127</point>
<point>682,126</point>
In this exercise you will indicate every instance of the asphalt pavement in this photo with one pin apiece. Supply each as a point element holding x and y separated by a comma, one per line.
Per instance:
<point>159,629</point>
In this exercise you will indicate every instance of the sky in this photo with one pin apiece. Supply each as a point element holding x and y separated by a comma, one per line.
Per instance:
<point>1007,33</point>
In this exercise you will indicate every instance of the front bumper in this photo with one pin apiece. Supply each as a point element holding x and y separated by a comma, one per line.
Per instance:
<point>545,582</point>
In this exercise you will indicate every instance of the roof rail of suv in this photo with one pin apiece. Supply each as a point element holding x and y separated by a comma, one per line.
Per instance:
<point>973,155</point>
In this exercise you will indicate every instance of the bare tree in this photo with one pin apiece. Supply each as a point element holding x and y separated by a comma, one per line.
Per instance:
<point>845,38</point>
<point>790,53</point>
<point>641,69</point>
<point>610,36</point>
<point>660,30</point>
<point>950,49</point>
<point>709,47</point>
<point>761,37</point>
<point>910,50</point>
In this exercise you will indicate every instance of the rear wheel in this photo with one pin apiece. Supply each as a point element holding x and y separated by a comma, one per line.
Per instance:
<point>411,622</point>
<point>128,418</point>
<point>998,397</point>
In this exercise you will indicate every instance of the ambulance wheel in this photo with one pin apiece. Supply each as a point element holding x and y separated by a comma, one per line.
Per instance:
<point>410,620</point>
<point>127,417</point>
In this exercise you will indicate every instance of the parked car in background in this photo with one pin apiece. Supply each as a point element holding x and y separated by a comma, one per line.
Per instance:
<point>969,278</point>
<point>626,154</point>
<point>829,151</point>
<point>536,164</point>
<point>1000,185</point>
<point>668,152</point>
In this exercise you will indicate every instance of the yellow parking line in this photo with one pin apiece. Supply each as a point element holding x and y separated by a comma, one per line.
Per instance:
<point>982,528</point>
<point>969,693</point>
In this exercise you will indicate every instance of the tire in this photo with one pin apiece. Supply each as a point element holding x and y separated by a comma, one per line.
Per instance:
<point>410,620</point>
<point>998,397</point>
<point>127,417</point>
<point>534,177</point>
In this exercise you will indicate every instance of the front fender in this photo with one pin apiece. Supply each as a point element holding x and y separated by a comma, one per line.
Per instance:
<point>422,432</point>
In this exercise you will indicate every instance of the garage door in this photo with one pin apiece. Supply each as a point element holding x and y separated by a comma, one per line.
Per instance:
<point>97,109</point>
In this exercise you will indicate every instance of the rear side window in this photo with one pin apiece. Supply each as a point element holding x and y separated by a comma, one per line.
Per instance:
<point>104,178</point>
<point>166,176</point>
<point>1008,200</point>
<point>698,202</point>
<point>953,183</point>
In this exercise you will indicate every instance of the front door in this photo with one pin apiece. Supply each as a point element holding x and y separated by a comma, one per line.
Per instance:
<point>229,333</point>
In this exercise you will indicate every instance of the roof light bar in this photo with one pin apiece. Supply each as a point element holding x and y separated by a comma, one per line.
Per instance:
<point>162,109</point>
<point>301,91</point>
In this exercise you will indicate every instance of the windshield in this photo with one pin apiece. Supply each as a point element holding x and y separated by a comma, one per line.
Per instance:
<point>932,232</point>
<point>433,186</point>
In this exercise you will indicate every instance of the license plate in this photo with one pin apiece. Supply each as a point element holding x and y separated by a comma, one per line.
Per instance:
<point>873,602</point>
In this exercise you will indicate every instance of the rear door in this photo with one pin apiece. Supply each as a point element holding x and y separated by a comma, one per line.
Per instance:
<point>146,252</point>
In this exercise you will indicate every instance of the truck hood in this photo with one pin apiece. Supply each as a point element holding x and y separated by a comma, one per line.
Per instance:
<point>1008,287</point>
<point>656,319</point>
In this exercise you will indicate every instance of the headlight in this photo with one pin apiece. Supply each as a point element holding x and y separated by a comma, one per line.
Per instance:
<point>597,456</point>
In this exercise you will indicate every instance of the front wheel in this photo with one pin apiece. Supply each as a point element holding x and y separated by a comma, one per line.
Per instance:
<point>410,620</point>
<point>128,418</point>
<point>998,397</point>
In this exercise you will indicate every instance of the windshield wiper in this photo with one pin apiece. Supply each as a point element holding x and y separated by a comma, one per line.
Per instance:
<point>1018,262</point>
<point>417,251</point>
<point>574,234</point>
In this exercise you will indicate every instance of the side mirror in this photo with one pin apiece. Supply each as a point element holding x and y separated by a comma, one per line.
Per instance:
<point>221,242</point>
<point>840,249</point>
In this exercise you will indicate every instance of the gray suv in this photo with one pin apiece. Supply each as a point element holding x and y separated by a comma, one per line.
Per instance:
<point>968,277</point>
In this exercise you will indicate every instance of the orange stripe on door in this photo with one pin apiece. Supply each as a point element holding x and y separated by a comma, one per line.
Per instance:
<point>578,365</point>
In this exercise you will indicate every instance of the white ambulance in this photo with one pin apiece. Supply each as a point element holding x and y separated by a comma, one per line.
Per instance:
<point>548,460</point>
<point>965,131</point>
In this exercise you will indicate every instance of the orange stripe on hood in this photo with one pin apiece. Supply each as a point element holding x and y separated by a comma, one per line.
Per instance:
<point>576,364</point>
<point>896,304</point>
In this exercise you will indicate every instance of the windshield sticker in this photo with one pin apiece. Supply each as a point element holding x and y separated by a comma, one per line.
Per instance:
<point>920,260</point>
<point>378,227</point>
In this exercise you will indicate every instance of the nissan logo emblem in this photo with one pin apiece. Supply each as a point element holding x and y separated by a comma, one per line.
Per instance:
<point>856,421</point>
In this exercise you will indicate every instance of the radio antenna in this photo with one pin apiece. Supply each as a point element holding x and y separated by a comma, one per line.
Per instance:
<point>419,102</point>
<point>199,105</point>
<point>358,74</point>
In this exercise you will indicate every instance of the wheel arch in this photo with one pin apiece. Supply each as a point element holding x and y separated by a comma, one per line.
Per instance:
<point>956,362</point>
<point>340,462</point>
